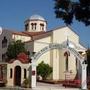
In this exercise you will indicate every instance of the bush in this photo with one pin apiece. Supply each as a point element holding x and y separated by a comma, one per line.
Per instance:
<point>26,83</point>
<point>44,70</point>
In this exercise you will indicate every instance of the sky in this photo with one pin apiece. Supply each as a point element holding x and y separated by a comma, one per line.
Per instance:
<point>13,13</point>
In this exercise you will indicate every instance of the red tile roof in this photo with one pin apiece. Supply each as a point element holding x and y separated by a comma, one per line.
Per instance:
<point>34,33</point>
<point>22,57</point>
<point>20,33</point>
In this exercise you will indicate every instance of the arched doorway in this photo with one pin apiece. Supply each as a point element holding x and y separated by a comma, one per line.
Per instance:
<point>17,76</point>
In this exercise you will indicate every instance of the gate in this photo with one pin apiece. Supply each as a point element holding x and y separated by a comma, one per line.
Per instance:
<point>60,46</point>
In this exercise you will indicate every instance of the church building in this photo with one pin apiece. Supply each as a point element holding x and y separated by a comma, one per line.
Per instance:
<point>36,37</point>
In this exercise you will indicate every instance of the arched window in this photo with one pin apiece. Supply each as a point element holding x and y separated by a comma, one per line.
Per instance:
<point>33,26</point>
<point>41,26</point>
<point>67,54</point>
<point>4,42</point>
<point>26,27</point>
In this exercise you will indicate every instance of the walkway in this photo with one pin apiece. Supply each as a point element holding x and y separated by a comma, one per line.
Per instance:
<point>41,86</point>
<point>45,86</point>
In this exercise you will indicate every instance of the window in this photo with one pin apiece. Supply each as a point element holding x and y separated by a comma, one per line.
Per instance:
<point>41,26</point>
<point>4,57</point>
<point>4,42</point>
<point>67,54</point>
<point>26,27</point>
<point>11,73</point>
<point>33,25</point>
<point>67,63</point>
<point>25,74</point>
<point>1,72</point>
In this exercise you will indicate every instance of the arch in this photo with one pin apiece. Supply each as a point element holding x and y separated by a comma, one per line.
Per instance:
<point>17,76</point>
<point>60,46</point>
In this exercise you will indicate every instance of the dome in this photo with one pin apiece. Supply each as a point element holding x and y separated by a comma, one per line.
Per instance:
<point>34,17</point>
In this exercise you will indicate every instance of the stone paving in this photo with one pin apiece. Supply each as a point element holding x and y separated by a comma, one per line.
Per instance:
<point>41,86</point>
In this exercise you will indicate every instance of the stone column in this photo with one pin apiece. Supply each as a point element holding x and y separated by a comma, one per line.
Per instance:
<point>55,65</point>
<point>84,77</point>
<point>33,74</point>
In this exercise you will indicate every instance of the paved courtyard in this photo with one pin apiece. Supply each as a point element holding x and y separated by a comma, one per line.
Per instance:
<point>42,86</point>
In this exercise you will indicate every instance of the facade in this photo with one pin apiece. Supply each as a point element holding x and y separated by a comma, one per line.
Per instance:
<point>5,39</point>
<point>36,37</point>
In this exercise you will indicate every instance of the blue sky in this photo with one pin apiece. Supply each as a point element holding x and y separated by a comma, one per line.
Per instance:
<point>13,13</point>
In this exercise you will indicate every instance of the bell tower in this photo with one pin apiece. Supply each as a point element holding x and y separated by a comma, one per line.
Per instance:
<point>35,23</point>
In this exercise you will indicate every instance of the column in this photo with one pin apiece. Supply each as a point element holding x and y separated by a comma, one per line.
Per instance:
<point>84,77</point>
<point>33,74</point>
<point>55,64</point>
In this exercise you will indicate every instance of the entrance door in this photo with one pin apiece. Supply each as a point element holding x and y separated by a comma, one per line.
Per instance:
<point>17,76</point>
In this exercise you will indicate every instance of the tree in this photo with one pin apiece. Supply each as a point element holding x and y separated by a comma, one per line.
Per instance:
<point>67,10</point>
<point>15,48</point>
<point>44,70</point>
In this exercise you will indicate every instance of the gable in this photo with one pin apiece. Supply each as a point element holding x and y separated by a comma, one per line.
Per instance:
<point>61,34</point>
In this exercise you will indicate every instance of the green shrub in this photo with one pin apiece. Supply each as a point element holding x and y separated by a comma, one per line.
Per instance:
<point>26,83</point>
<point>44,70</point>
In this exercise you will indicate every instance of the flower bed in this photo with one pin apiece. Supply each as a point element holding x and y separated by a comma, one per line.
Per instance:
<point>72,83</point>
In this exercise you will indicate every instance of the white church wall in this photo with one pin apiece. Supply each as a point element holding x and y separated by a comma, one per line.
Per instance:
<point>62,65</point>
<point>40,44</point>
<point>72,36</point>
<point>59,65</point>
<point>60,35</point>
<point>55,64</point>
<point>21,37</point>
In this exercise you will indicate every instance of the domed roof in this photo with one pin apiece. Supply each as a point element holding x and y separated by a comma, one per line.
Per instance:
<point>34,17</point>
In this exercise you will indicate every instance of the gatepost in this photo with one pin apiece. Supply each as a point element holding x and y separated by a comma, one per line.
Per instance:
<point>84,77</point>
<point>33,74</point>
